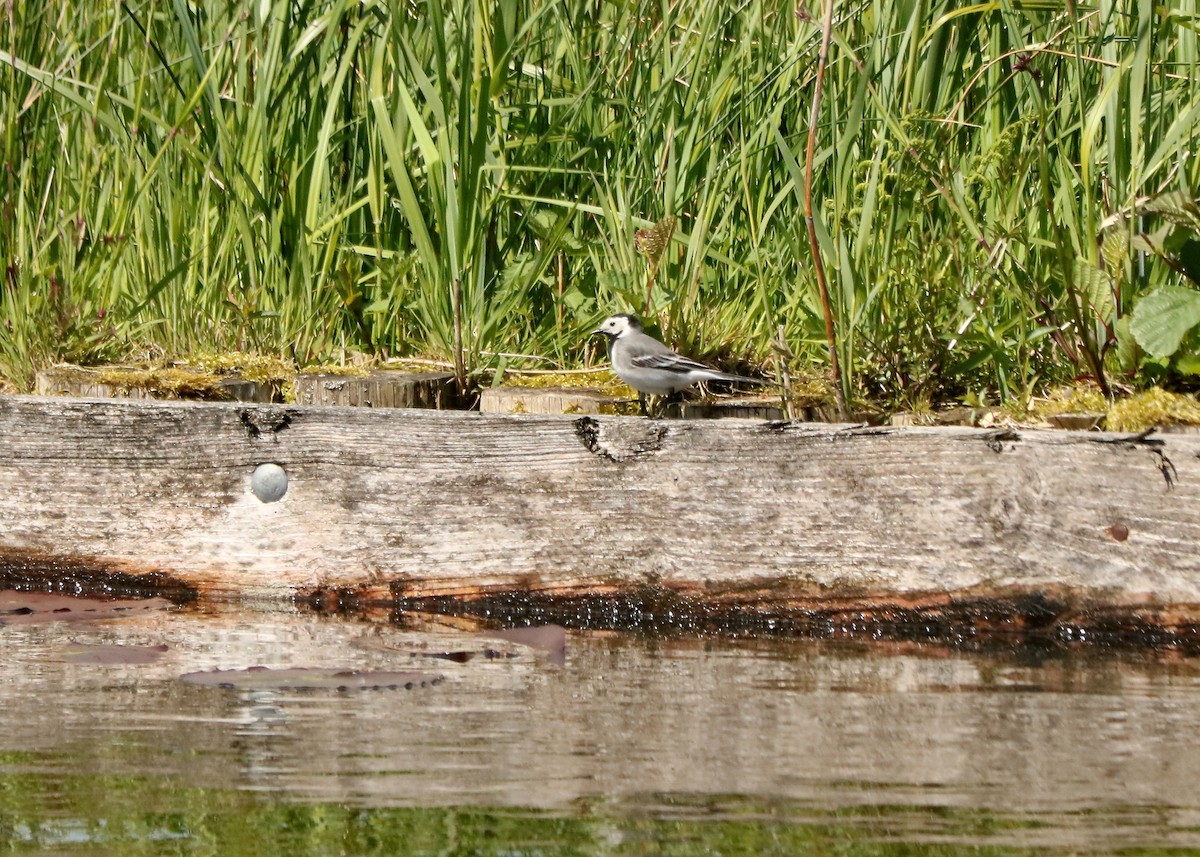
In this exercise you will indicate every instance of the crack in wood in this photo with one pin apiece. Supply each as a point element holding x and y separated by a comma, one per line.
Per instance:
<point>825,431</point>
<point>996,439</point>
<point>620,442</point>
<point>265,421</point>
<point>1133,441</point>
<point>1142,440</point>
<point>862,430</point>
<point>1167,468</point>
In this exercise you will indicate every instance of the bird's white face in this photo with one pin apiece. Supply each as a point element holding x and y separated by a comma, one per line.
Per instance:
<point>616,326</point>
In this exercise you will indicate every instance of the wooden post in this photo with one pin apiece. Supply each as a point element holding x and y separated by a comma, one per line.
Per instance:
<point>380,389</point>
<point>114,382</point>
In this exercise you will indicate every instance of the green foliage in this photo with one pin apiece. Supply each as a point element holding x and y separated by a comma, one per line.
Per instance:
<point>1164,317</point>
<point>130,816</point>
<point>1160,337</point>
<point>996,188</point>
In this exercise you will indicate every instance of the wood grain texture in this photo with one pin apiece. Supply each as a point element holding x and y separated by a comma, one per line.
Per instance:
<point>423,503</point>
<point>383,388</point>
<point>544,400</point>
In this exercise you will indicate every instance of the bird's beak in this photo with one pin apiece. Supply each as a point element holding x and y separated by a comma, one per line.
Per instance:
<point>597,332</point>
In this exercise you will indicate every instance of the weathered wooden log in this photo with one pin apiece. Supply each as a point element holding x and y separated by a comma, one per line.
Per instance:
<point>382,388</point>
<point>403,504</point>
<point>83,382</point>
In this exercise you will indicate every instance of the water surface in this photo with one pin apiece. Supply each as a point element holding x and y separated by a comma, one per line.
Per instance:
<point>633,745</point>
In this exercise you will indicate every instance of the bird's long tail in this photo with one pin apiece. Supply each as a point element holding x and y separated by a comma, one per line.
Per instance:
<point>739,379</point>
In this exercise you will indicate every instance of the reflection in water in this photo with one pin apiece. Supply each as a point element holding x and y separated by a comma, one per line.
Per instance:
<point>629,738</point>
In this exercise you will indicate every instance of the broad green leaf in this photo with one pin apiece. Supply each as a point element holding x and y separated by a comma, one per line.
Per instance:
<point>1114,251</point>
<point>1126,352</point>
<point>1175,206</point>
<point>1188,364</point>
<point>1162,318</point>
<point>1096,288</point>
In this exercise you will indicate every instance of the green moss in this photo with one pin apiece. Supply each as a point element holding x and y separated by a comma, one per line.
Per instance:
<point>600,379</point>
<point>417,364</point>
<point>169,382</point>
<point>197,377</point>
<point>356,371</point>
<point>624,407</point>
<point>263,368</point>
<point>1085,399</point>
<point>1154,407</point>
<point>809,389</point>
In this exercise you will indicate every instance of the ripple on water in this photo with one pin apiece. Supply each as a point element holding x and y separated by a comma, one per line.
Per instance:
<point>910,743</point>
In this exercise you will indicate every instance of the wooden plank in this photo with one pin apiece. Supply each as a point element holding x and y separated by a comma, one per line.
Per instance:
<point>410,503</point>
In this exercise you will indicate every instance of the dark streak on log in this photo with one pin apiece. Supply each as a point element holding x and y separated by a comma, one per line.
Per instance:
<point>91,577</point>
<point>1058,617</point>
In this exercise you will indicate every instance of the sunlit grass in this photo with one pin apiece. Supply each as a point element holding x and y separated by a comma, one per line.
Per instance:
<point>464,180</point>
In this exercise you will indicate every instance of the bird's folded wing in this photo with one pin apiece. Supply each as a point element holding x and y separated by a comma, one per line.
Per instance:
<point>668,363</point>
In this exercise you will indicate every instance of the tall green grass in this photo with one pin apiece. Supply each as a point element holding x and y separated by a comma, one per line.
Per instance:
<point>464,180</point>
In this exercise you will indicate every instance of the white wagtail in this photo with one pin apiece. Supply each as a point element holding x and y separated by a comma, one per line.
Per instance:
<point>650,367</point>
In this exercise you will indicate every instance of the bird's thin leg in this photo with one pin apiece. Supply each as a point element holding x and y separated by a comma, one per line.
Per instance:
<point>642,404</point>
